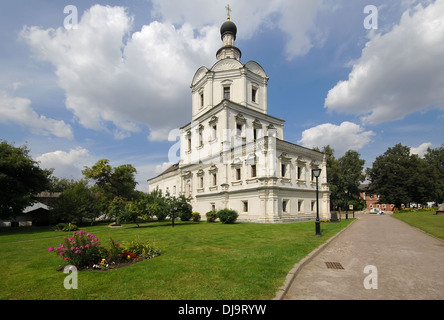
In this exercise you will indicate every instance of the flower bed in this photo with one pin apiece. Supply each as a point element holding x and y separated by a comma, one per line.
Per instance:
<point>84,251</point>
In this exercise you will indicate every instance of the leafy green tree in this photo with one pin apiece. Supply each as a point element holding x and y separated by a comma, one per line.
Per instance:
<point>344,175</point>
<point>179,207</point>
<point>435,161</point>
<point>351,175</point>
<point>21,179</point>
<point>77,202</point>
<point>400,177</point>
<point>114,182</point>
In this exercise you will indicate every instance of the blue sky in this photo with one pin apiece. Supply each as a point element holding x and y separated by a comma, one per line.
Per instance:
<point>117,83</point>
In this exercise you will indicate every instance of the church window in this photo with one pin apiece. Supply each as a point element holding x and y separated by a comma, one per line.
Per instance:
<point>214,179</point>
<point>245,206</point>
<point>284,170</point>
<point>214,132</point>
<point>201,99</point>
<point>300,205</point>
<point>253,171</point>
<point>299,173</point>
<point>239,127</point>
<point>189,141</point>
<point>201,136</point>
<point>227,93</point>
<point>238,173</point>
<point>285,205</point>
<point>254,94</point>
<point>201,184</point>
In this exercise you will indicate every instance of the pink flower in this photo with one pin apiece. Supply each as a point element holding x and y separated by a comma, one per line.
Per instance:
<point>117,244</point>
<point>87,246</point>
<point>66,258</point>
<point>51,249</point>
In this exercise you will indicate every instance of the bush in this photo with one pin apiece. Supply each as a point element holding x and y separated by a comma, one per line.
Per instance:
<point>140,248</point>
<point>211,216</point>
<point>83,250</point>
<point>227,216</point>
<point>195,216</point>
<point>80,250</point>
<point>66,227</point>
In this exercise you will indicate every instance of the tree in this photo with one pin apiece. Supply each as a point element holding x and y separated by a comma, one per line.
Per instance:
<point>112,182</point>
<point>179,207</point>
<point>435,161</point>
<point>76,202</point>
<point>400,177</point>
<point>344,176</point>
<point>351,175</point>
<point>21,179</point>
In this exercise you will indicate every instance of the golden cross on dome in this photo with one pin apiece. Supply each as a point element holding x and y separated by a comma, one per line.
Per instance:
<point>228,11</point>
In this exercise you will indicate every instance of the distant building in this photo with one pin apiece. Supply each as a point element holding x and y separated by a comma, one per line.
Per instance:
<point>34,215</point>
<point>233,153</point>
<point>372,200</point>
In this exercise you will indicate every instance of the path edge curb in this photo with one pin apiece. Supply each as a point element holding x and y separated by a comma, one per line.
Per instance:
<point>291,276</point>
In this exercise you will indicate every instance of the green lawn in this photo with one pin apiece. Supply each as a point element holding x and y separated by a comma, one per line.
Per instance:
<point>425,220</point>
<point>199,261</point>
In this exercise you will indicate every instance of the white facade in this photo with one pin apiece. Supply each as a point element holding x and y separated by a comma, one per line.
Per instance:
<point>233,154</point>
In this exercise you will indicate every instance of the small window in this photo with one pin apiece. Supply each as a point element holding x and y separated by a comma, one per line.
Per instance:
<point>239,129</point>
<point>285,206</point>
<point>214,133</point>
<point>299,173</point>
<point>189,141</point>
<point>245,206</point>
<point>254,94</point>
<point>200,138</point>
<point>284,170</point>
<point>201,182</point>
<point>202,99</point>
<point>227,93</point>
<point>214,179</point>
<point>313,205</point>
<point>213,206</point>
<point>253,171</point>
<point>300,205</point>
<point>238,174</point>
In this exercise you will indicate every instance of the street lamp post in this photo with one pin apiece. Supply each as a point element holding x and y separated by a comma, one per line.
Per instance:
<point>316,173</point>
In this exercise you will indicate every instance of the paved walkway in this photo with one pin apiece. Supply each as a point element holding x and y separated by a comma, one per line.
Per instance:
<point>409,264</point>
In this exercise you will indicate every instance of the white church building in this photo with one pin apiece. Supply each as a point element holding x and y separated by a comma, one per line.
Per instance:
<point>233,153</point>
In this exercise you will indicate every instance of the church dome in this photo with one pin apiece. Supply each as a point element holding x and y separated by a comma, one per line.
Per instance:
<point>228,27</point>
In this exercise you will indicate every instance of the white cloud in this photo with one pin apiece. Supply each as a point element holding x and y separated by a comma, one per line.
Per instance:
<point>347,136</point>
<point>67,164</point>
<point>399,72</point>
<point>18,110</point>
<point>296,18</point>
<point>116,86</point>
<point>119,80</point>
<point>421,150</point>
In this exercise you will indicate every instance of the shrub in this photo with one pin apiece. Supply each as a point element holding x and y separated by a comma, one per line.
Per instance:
<point>211,216</point>
<point>139,248</point>
<point>83,250</point>
<point>227,216</point>
<point>195,216</point>
<point>80,250</point>
<point>66,227</point>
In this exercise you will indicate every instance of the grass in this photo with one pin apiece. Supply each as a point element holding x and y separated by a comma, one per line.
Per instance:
<point>199,261</point>
<point>425,220</point>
